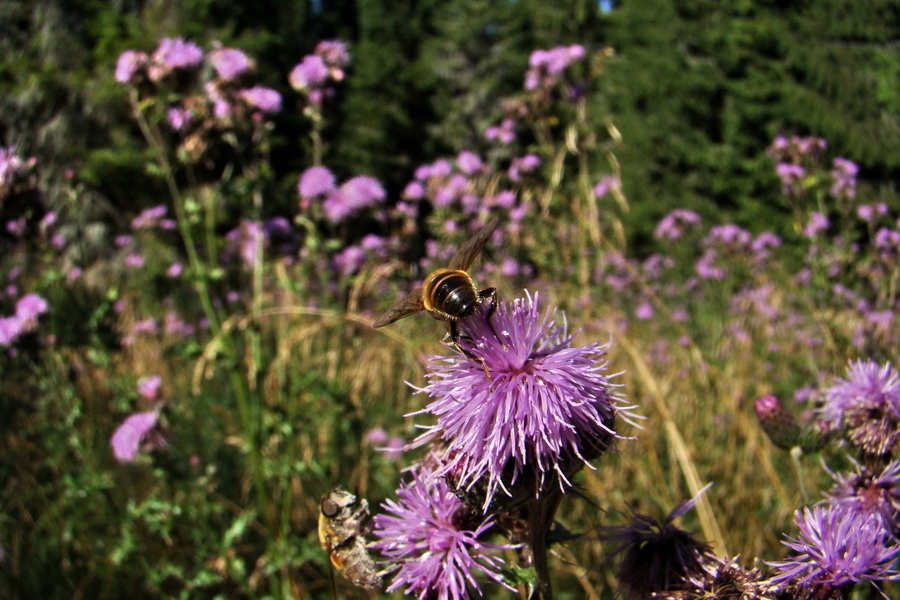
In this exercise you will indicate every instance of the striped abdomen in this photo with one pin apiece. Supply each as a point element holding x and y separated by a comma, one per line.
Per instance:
<point>449,294</point>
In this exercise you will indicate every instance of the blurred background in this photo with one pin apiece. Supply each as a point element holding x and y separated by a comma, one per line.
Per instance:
<point>711,187</point>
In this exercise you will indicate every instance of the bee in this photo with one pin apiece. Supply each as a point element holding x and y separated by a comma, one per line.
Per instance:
<point>341,517</point>
<point>449,294</point>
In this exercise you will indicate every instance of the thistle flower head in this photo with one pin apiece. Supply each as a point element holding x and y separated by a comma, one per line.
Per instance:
<point>658,556</point>
<point>433,539</point>
<point>871,492</point>
<point>837,547</point>
<point>867,405</point>
<point>137,432</point>
<point>546,410</point>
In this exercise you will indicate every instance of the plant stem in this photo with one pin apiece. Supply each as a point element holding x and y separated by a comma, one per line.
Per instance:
<point>540,518</point>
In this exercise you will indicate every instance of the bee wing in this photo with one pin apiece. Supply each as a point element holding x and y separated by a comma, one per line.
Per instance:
<point>403,308</point>
<point>467,253</point>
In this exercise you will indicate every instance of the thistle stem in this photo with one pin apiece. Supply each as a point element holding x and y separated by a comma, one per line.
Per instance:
<point>540,518</point>
<point>797,459</point>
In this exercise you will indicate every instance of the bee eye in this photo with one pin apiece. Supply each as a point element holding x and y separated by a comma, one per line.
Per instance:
<point>330,508</point>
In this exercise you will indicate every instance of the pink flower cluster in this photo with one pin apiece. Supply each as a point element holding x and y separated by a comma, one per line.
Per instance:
<point>312,75</point>
<point>546,66</point>
<point>28,309</point>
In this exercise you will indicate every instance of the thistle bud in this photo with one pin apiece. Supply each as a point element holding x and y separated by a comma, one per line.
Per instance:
<point>778,422</point>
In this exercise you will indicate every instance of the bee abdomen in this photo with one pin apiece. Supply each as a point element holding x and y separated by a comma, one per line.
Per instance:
<point>453,294</point>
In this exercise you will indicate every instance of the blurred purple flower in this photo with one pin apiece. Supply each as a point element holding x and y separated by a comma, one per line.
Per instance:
<point>394,449</point>
<point>606,184</point>
<point>867,405</point>
<point>230,63</point>
<point>432,539</point>
<point>134,261</point>
<point>333,53</point>
<point>310,73</point>
<point>10,330</point>
<point>505,133</point>
<point>175,270</point>
<point>837,547</point>
<point>315,181</point>
<point>376,436</point>
<point>414,190</point>
<point>868,212</point>
<point>244,241</point>
<point>129,63</point>
<point>468,162</point>
<point>362,191</point>
<point>149,217</point>
<point>175,53</point>
<point>265,99</point>
<point>178,118</point>
<point>349,260</point>
<point>16,227</point>
<point>546,411</point>
<point>818,223</point>
<point>148,387</point>
<point>844,175</point>
<point>706,267</point>
<point>644,311</point>
<point>524,164</point>
<point>673,225</point>
<point>546,65</point>
<point>137,432</point>
<point>790,174</point>
<point>29,308</point>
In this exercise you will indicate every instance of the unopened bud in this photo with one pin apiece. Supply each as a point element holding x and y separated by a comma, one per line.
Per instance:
<point>778,422</point>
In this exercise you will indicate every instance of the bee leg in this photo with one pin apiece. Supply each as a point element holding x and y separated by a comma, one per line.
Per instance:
<point>492,307</point>
<point>454,337</point>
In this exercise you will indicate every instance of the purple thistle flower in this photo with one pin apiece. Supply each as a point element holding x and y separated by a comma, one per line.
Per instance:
<point>837,547</point>
<point>128,65</point>
<point>468,162</point>
<point>333,53</point>
<point>376,436</point>
<point>606,184</point>
<point>673,225</point>
<point>433,539</point>
<point>818,223</point>
<point>134,261</point>
<point>414,190</point>
<point>29,308</point>
<point>148,387</point>
<point>336,207</point>
<point>315,181</point>
<point>547,409</point>
<point>362,191</point>
<point>149,217</point>
<point>178,118</point>
<point>869,492</point>
<point>790,174</point>
<point>867,405</point>
<point>10,330</point>
<point>136,432</point>
<point>310,73</point>
<point>230,63</point>
<point>844,176</point>
<point>175,53</point>
<point>265,99</point>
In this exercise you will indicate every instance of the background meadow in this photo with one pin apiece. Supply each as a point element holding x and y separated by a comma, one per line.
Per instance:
<point>206,205</point>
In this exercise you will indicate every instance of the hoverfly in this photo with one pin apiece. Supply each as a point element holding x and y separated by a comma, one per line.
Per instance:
<point>449,294</point>
<point>341,517</point>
